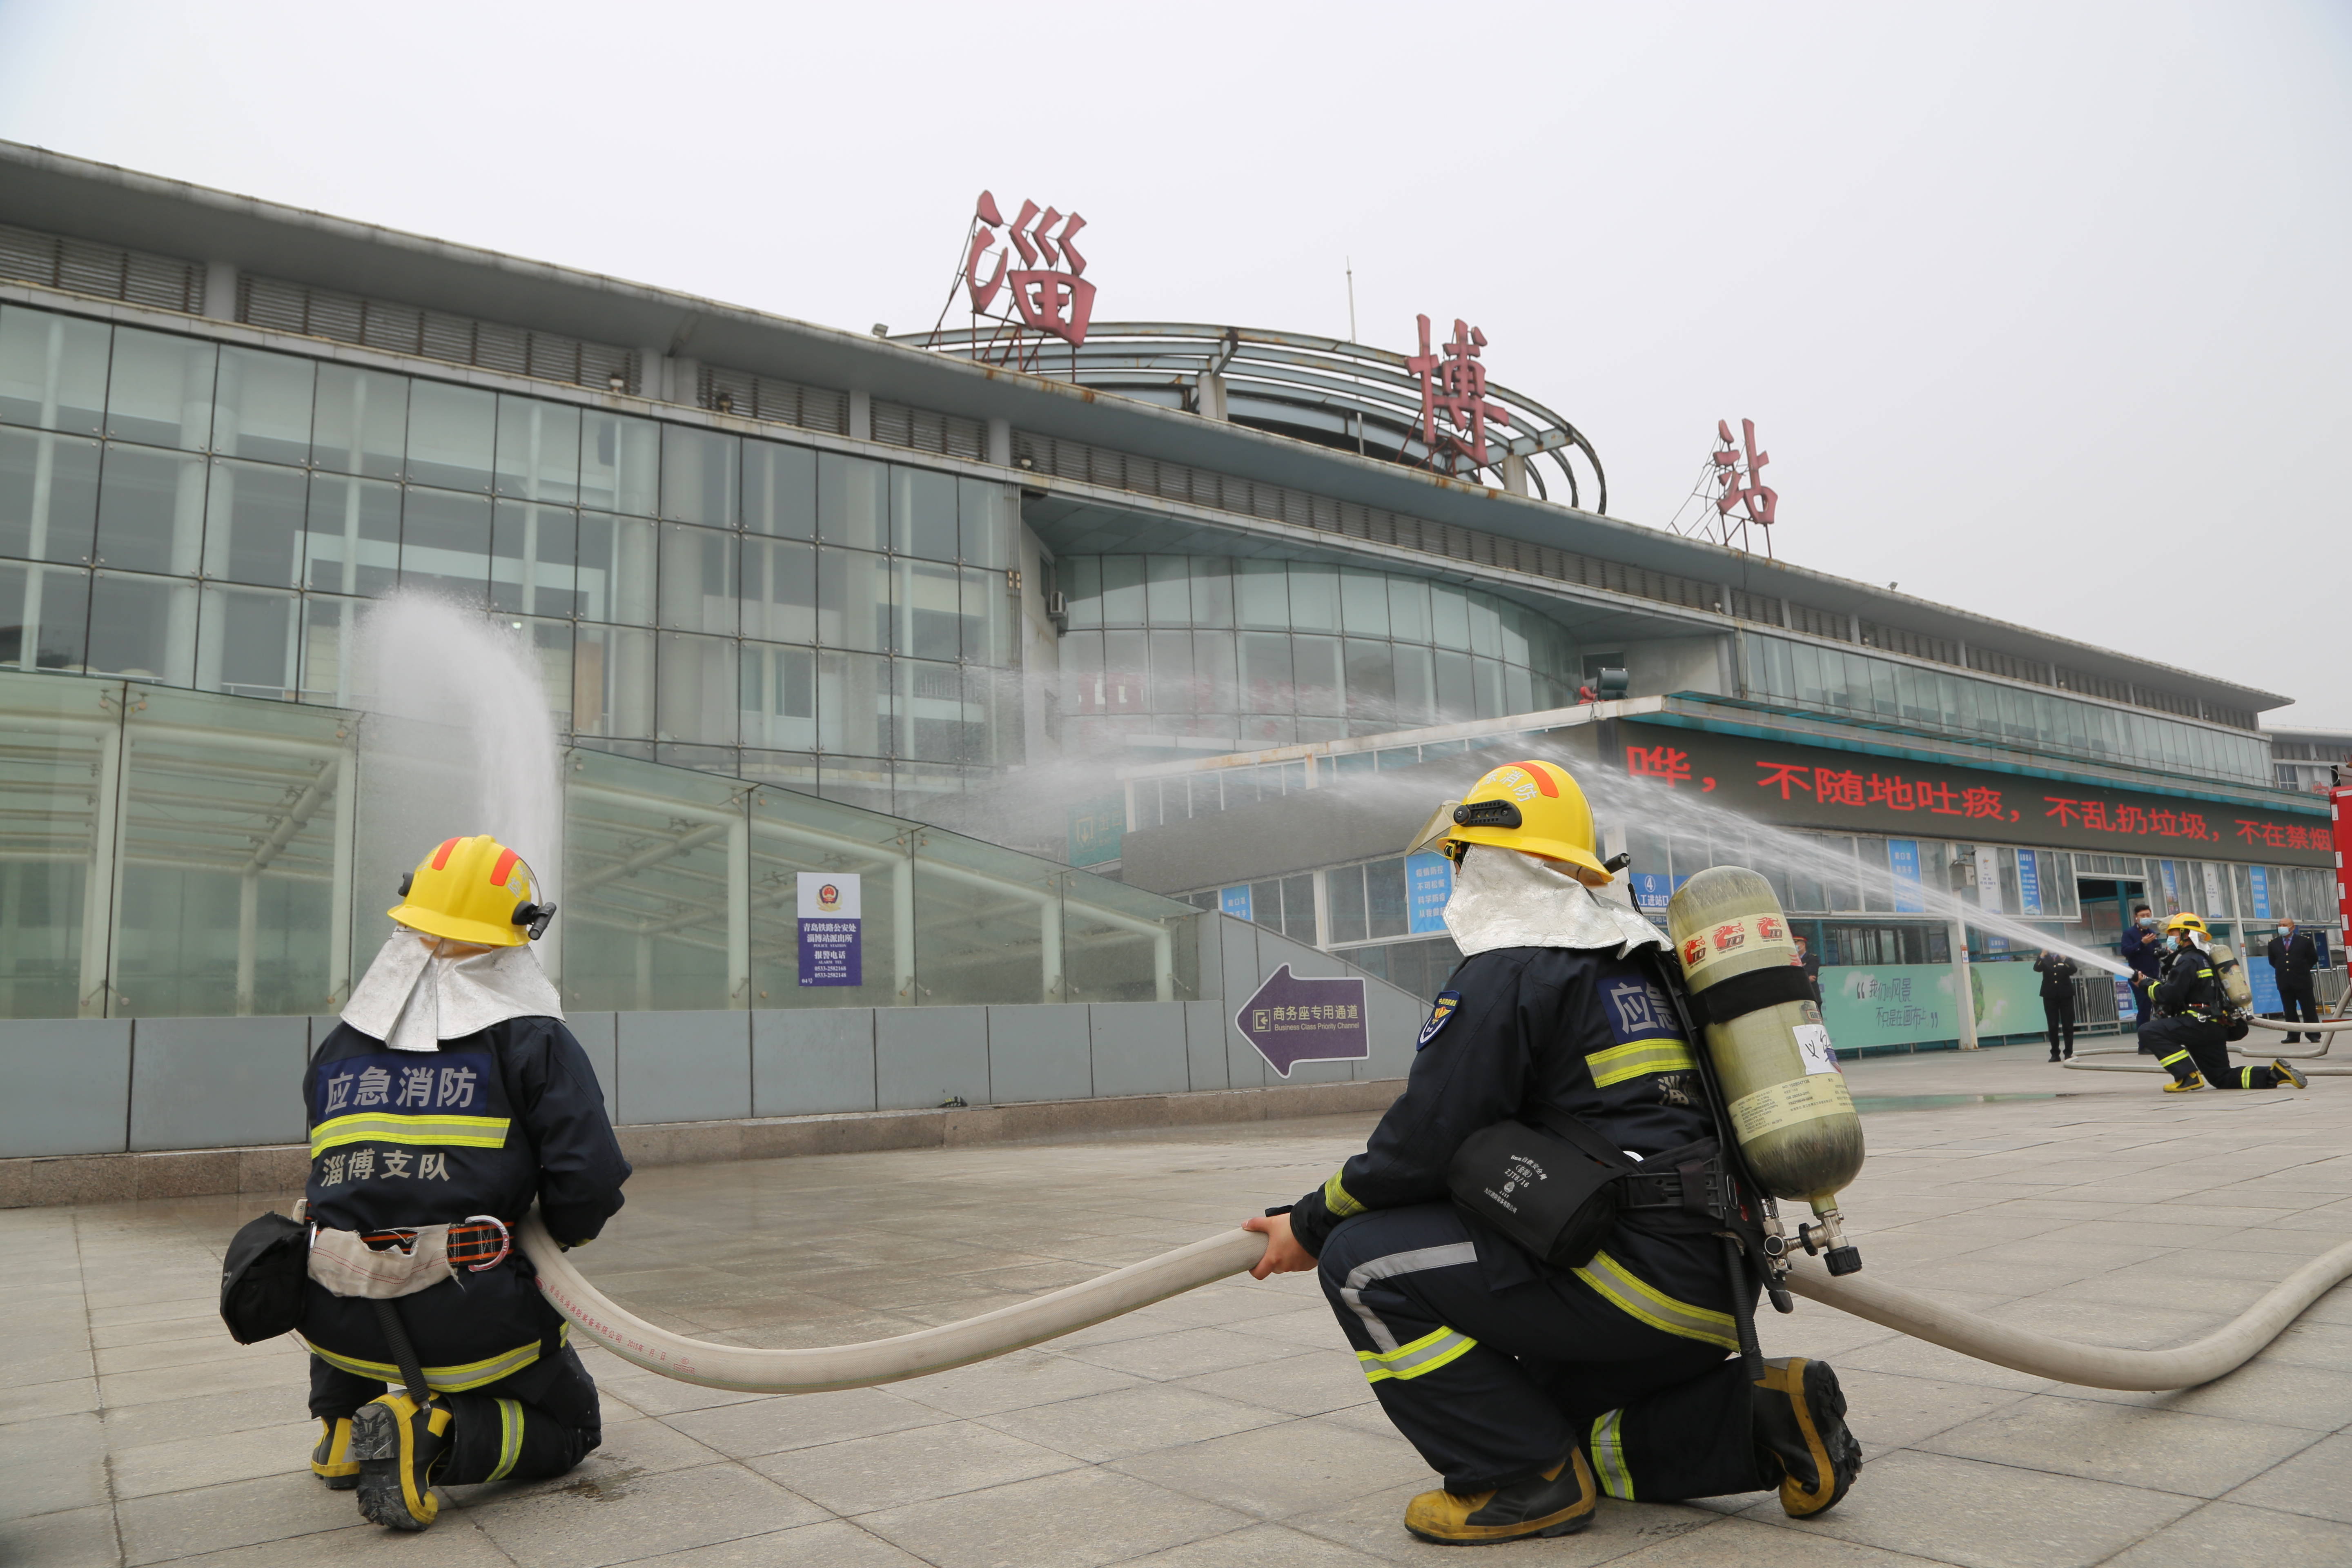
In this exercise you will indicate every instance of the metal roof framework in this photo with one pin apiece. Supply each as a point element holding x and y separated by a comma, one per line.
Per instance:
<point>1339,394</point>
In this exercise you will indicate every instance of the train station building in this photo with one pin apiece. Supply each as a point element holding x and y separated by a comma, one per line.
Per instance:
<point>1075,652</point>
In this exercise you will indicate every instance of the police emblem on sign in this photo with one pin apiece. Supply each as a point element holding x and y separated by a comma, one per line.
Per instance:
<point>1439,1011</point>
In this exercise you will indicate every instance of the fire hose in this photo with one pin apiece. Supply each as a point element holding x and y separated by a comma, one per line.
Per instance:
<point>2278,1025</point>
<point>745,1370</point>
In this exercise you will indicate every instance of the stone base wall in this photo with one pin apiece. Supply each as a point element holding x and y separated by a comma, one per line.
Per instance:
<point>281,1168</point>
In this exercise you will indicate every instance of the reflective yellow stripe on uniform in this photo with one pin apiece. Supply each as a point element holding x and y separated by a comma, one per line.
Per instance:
<point>2245,1078</point>
<point>1338,1199</point>
<point>443,1379</point>
<point>2204,974</point>
<point>509,1438</point>
<point>1609,1456</point>
<point>1426,1353</point>
<point>1619,1063</point>
<point>2175,1056</point>
<point>1630,1293</point>
<point>388,1127</point>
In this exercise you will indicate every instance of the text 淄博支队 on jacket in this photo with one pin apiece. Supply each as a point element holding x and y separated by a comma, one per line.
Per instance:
<point>488,1124</point>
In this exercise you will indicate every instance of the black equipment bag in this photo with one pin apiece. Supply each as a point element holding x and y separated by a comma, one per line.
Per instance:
<point>264,1278</point>
<point>1554,1198</point>
<point>1558,1188</point>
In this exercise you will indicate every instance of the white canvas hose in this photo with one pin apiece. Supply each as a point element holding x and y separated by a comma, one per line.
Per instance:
<point>2279,1026</point>
<point>750,1370</point>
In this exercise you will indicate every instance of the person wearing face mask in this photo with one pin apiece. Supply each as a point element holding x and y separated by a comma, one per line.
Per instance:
<point>2143,949</point>
<point>2057,972</point>
<point>2191,1034</point>
<point>2292,956</point>
<point>447,1101</point>
<point>1533,1387</point>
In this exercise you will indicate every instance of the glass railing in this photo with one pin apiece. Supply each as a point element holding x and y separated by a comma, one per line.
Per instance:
<point>166,852</point>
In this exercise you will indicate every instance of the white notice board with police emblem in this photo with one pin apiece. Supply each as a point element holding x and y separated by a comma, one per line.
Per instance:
<point>830,922</point>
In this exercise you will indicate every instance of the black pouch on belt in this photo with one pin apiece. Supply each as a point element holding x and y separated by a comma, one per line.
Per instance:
<point>264,1277</point>
<point>1555,1197</point>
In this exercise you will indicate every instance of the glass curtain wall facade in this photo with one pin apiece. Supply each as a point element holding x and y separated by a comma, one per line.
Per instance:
<point>179,853</point>
<point>1858,684</point>
<point>1269,652</point>
<point>212,517</point>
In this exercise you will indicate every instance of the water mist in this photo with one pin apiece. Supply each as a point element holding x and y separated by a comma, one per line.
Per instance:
<point>457,739</point>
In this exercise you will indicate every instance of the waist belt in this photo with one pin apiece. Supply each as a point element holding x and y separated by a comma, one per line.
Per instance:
<point>383,1265</point>
<point>475,1243</point>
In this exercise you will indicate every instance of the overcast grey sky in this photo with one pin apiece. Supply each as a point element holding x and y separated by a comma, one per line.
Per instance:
<point>2039,308</point>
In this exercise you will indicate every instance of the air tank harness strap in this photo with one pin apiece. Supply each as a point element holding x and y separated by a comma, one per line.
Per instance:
<point>1737,995</point>
<point>1699,1185</point>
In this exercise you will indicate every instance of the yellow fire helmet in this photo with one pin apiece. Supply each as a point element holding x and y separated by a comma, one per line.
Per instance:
<point>473,890</point>
<point>1535,808</point>
<point>2184,920</point>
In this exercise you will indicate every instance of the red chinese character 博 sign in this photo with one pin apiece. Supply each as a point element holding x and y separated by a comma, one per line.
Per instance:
<point>1454,384</point>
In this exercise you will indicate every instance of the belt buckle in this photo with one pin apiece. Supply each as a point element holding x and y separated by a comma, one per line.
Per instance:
<point>505,1240</point>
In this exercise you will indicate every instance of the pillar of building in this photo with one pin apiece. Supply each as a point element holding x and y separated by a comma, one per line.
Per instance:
<point>861,415</point>
<point>1211,399</point>
<point>220,290</point>
<point>1964,998</point>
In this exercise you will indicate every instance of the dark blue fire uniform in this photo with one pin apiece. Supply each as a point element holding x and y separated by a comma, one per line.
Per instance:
<point>1491,1361</point>
<point>2191,1034</point>
<point>486,1125</point>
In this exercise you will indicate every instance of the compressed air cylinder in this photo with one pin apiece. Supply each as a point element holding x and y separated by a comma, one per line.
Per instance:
<point>2236,989</point>
<point>1788,1104</point>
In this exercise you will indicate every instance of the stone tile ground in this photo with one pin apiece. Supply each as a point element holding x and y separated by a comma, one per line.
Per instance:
<point>1230,1426</point>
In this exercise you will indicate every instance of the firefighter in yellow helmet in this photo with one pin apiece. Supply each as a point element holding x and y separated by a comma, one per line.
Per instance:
<point>448,1100</point>
<point>1530,1387</point>
<point>2191,1034</point>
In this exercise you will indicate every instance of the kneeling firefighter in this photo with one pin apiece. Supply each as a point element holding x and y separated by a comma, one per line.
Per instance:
<point>2191,1032</point>
<point>449,1099</point>
<point>1518,1374</point>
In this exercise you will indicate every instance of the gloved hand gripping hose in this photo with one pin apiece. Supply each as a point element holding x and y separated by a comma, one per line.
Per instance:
<point>1204,1262</point>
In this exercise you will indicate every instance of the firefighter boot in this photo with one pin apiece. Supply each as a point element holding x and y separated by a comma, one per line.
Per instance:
<point>1560,1501</point>
<point>399,1447</point>
<point>1799,1419</point>
<point>2288,1075</point>
<point>2183,1085</point>
<point>332,1460</point>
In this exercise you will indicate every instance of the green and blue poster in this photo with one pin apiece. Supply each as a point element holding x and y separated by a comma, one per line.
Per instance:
<point>1912,1003</point>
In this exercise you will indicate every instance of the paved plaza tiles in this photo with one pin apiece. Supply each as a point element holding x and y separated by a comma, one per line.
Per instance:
<point>1230,1426</point>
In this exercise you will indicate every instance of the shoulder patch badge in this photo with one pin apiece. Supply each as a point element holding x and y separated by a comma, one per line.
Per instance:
<point>1439,1011</point>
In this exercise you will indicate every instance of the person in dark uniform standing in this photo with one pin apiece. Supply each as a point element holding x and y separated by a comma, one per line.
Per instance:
<point>2143,949</point>
<point>448,1100</point>
<point>2191,1034</point>
<point>1530,1389</point>
<point>2292,956</point>
<point>1810,963</point>
<point>2057,973</point>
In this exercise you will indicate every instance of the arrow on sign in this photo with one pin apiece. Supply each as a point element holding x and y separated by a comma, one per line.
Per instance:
<point>1293,1020</point>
